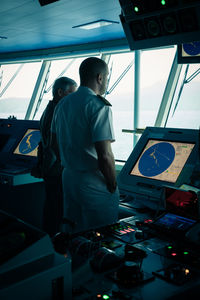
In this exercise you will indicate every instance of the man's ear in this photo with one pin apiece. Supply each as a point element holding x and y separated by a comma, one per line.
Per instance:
<point>99,78</point>
<point>60,92</point>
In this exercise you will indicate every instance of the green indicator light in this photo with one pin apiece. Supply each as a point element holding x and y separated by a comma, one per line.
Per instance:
<point>136,9</point>
<point>106,297</point>
<point>22,235</point>
<point>185,252</point>
<point>163,2</point>
<point>169,247</point>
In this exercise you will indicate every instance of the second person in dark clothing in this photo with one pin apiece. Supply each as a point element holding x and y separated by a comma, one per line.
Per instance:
<point>51,168</point>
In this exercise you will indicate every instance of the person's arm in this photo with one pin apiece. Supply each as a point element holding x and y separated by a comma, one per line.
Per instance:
<point>54,144</point>
<point>106,164</point>
<point>53,139</point>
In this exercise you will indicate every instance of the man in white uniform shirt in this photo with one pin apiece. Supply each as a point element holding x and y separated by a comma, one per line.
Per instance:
<point>82,126</point>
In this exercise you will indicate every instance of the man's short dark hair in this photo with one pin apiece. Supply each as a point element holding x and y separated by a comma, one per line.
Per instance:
<point>90,67</point>
<point>62,83</point>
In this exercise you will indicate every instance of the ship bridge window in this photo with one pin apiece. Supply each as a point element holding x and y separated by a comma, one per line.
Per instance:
<point>62,67</point>
<point>17,83</point>
<point>21,84</point>
<point>154,72</point>
<point>119,93</point>
<point>185,110</point>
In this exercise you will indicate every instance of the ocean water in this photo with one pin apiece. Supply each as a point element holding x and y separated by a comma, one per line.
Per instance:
<point>123,145</point>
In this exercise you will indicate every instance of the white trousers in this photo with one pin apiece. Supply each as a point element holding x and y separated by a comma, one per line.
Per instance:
<point>87,202</point>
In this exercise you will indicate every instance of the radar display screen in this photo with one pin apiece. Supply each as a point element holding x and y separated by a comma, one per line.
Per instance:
<point>29,143</point>
<point>162,160</point>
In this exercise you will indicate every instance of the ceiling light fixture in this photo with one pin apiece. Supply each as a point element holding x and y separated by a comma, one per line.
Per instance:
<point>95,24</point>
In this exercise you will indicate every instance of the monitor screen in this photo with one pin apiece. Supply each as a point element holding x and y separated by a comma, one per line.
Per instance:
<point>162,157</point>
<point>171,222</point>
<point>162,160</point>
<point>29,143</point>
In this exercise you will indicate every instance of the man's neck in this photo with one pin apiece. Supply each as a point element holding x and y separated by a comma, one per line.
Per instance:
<point>92,86</point>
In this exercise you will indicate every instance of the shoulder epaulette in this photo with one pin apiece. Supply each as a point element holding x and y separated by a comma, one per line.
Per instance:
<point>106,102</point>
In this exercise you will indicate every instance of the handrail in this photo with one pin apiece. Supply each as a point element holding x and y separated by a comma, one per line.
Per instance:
<point>135,131</point>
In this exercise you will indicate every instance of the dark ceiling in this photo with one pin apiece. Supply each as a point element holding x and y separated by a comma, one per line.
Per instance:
<point>26,25</point>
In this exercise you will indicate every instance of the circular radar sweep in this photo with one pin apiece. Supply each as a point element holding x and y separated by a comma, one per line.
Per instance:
<point>156,159</point>
<point>29,142</point>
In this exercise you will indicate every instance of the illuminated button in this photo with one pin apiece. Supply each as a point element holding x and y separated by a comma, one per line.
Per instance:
<point>185,252</point>
<point>148,221</point>
<point>169,247</point>
<point>122,231</point>
<point>106,297</point>
<point>187,271</point>
<point>174,254</point>
<point>163,2</point>
<point>136,9</point>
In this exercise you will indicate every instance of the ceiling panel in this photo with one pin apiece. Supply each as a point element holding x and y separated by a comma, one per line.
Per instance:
<point>28,26</point>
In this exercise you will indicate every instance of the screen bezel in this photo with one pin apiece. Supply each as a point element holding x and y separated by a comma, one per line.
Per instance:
<point>192,59</point>
<point>151,190</point>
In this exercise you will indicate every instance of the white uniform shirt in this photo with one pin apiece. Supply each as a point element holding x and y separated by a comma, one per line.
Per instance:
<point>80,120</point>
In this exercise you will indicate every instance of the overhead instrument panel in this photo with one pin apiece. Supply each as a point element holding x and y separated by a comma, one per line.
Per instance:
<point>157,23</point>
